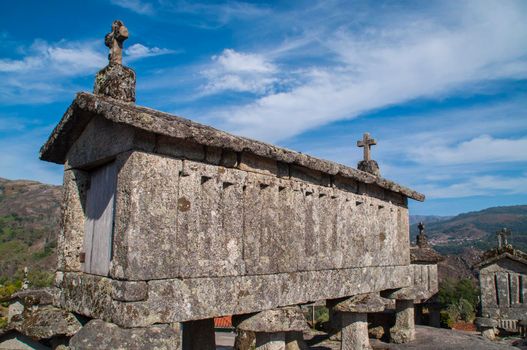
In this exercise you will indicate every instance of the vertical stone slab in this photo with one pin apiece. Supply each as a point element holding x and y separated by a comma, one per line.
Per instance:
<point>291,226</point>
<point>488,290</point>
<point>326,202</point>
<point>514,289</point>
<point>263,248</point>
<point>210,220</point>
<point>71,236</point>
<point>354,331</point>
<point>199,335</point>
<point>146,217</point>
<point>270,341</point>
<point>433,284</point>
<point>502,279</point>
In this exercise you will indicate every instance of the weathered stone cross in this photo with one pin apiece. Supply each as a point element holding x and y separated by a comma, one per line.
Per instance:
<point>502,237</point>
<point>366,142</point>
<point>114,40</point>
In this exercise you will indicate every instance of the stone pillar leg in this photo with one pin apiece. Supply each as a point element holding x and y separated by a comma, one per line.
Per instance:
<point>199,335</point>
<point>277,329</point>
<point>353,313</point>
<point>354,331</point>
<point>404,329</point>
<point>270,341</point>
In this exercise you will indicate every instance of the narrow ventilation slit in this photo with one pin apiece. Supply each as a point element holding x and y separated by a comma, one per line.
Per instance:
<point>381,206</point>
<point>227,184</point>
<point>204,179</point>
<point>263,186</point>
<point>308,193</point>
<point>496,289</point>
<point>281,188</point>
<point>357,203</point>
<point>320,195</point>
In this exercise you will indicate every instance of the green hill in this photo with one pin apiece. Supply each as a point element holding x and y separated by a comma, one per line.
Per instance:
<point>29,222</point>
<point>477,229</point>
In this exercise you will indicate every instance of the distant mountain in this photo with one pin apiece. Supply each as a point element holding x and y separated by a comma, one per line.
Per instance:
<point>477,229</point>
<point>29,223</point>
<point>415,219</point>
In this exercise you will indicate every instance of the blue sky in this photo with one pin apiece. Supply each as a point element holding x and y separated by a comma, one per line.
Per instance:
<point>441,85</point>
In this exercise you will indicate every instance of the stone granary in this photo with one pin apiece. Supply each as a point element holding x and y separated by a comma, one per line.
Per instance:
<point>168,223</point>
<point>424,263</point>
<point>503,283</point>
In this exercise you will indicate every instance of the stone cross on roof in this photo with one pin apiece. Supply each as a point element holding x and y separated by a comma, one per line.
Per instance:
<point>366,142</point>
<point>421,239</point>
<point>114,40</point>
<point>502,237</point>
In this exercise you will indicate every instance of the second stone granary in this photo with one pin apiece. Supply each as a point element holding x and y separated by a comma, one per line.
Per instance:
<point>166,220</point>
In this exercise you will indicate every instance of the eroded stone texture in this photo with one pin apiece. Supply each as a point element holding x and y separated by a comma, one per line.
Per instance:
<point>285,319</point>
<point>46,322</point>
<point>503,285</point>
<point>98,334</point>
<point>116,81</point>
<point>71,236</point>
<point>146,213</point>
<point>354,334</point>
<point>404,329</point>
<point>244,340</point>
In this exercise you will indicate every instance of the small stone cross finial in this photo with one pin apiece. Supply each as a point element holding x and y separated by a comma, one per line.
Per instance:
<point>114,40</point>
<point>366,142</point>
<point>421,239</point>
<point>502,237</point>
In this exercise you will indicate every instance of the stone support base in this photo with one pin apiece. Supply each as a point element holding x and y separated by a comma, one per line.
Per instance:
<point>98,334</point>
<point>277,329</point>
<point>199,335</point>
<point>354,331</point>
<point>270,341</point>
<point>404,329</point>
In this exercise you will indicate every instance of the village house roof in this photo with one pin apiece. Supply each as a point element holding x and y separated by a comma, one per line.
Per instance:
<point>86,106</point>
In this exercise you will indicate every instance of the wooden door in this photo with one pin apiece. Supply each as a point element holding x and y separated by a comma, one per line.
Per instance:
<point>99,220</point>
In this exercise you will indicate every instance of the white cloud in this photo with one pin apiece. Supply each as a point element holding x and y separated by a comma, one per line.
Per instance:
<point>137,51</point>
<point>479,186</point>
<point>481,149</point>
<point>236,71</point>
<point>64,58</point>
<point>138,6</point>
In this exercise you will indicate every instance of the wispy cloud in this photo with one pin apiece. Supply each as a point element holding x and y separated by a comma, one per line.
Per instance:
<point>137,51</point>
<point>481,149</point>
<point>63,58</point>
<point>141,7</point>
<point>480,186</point>
<point>387,63</point>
